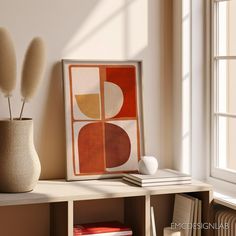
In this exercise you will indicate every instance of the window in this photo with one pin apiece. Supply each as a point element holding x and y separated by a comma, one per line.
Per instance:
<point>223,90</point>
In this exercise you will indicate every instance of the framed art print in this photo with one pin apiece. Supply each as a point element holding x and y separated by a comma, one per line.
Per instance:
<point>103,118</point>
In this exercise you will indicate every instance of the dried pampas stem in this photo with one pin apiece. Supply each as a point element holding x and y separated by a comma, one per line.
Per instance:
<point>33,70</point>
<point>22,108</point>
<point>9,106</point>
<point>7,65</point>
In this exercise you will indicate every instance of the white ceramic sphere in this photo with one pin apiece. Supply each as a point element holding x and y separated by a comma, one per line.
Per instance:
<point>148,165</point>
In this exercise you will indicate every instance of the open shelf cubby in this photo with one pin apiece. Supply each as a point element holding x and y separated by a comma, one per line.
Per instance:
<point>128,210</point>
<point>164,206</point>
<point>20,220</point>
<point>55,206</point>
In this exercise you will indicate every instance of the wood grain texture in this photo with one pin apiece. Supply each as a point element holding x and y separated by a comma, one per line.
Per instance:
<point>25,220</point>
<point>58,219</point>
<point>135,214</point>
<point>111,209</point>
<point>163,211</point>
<point>102,200</point>
<point>60,190</point>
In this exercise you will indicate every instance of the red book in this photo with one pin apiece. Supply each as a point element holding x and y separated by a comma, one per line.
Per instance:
<point>113,228</point>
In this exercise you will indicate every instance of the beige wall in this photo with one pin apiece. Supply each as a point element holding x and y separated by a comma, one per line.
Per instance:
<point>94,29</point>
<point>199,86</point>
<point>190,88</point>
<point>166,92</point>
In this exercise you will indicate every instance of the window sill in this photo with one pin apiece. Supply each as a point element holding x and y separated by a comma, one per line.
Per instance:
<point>224,193</point>
<point>224,200</point>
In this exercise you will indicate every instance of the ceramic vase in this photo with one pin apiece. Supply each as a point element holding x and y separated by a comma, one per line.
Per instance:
<point>148,165</point>
<point>19,163</point>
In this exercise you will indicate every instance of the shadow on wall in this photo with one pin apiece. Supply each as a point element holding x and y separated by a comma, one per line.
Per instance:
<point>72,42</point>
<point>98,30</point>
<point>57,27</point>
<point>140,35</point>
<point>56,21</point>
<point>107,42</point>
<point>51,144</point>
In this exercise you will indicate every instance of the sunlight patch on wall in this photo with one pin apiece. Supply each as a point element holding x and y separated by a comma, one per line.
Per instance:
<point>114,30</point>
<point>136,21</point>
<point>186,86</point>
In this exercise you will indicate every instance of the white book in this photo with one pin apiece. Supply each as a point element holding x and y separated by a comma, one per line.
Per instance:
<point>195,214</point>
<point>168,231</point>
<point>184,213</point>
<point>195,217</point>
<point>162,175</point>
<point>199,217</point>
<point>157,183</point>
<point>153,223</point>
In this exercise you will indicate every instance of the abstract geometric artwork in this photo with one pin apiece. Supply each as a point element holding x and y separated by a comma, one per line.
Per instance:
<point>102,109</point>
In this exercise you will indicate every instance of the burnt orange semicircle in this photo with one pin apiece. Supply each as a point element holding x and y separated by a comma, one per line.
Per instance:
<point>117,146</point>
<point>91,148</point>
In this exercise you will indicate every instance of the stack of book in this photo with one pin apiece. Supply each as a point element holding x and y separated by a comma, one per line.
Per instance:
<point>112,228</point>
<point>162,177</point>
<point>187,215</point>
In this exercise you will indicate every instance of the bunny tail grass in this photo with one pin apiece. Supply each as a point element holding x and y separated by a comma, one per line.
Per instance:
<point>9,106</point>
<point>7,63</point>
<point>22,109</point>
<point>33,68</point>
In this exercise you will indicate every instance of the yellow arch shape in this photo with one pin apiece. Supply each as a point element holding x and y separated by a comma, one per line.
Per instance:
<point>89,105</point>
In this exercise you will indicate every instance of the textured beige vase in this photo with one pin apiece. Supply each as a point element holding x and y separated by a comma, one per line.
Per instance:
<point>19,163</point>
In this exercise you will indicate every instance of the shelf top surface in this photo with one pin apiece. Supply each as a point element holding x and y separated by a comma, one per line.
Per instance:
<point>60,190</point>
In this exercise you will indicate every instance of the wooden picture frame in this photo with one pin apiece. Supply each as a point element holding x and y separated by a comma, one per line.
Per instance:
<point>103,118</point>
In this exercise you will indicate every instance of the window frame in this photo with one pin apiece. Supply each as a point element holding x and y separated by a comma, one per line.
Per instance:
<point>216,172</point>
